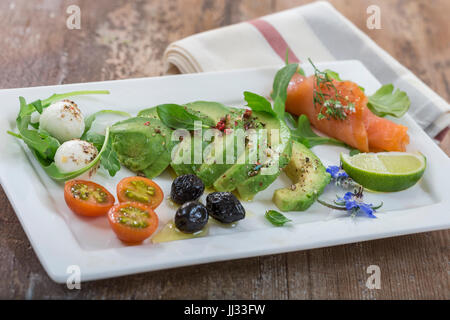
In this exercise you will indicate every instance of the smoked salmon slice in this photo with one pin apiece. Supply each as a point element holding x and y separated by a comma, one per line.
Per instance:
<point>360,129</point>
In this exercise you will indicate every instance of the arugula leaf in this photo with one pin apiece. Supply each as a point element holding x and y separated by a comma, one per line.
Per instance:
<point>50,168</point>
<point>332,74</point>
<point>109,159</point>
<point>387,102</point>
<point>286,60</point>
<point>279,91</point>
<point>305,135</point>
<point>276,218</point>
<point>177,117</point>
<point>258,103</point>
<point>59,96</point>
<point>290,119</point>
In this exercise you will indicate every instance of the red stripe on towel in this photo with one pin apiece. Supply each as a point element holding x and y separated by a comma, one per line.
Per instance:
<point>275,40</point>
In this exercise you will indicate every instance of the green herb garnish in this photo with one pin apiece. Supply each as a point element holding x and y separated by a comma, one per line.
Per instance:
<point>39,141</point>
<point>96,138</point>
<point>387,102</point>
<point>51,169</point>
<point>109,159</point>
<point>279,94</point>
<point>279,91</point>
<point>303,133</point>
<point>276,218</point>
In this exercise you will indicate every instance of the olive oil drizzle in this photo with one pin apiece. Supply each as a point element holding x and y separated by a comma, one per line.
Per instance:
<point>140,191</point>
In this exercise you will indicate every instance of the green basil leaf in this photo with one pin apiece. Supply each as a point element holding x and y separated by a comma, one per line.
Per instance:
<point>387,102</point>
<point>258,103</point>
<point>37,105</point>
<point>279,90</point>
<point>289,119</point>
<point>177,117</point>
<point>276,218</point>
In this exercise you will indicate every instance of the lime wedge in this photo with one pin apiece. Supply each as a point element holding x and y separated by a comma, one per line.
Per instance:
<point>385,171</point>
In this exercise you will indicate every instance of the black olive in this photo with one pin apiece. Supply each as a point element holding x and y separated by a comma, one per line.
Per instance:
<point>224,207</point>
<point>186,188</point>
<point>191,217</point>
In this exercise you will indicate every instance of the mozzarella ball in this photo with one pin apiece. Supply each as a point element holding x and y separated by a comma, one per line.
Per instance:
<point>63,120</point>
<point>74,155</point>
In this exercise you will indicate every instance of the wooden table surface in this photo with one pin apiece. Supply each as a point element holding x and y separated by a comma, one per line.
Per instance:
<point>125,39</point>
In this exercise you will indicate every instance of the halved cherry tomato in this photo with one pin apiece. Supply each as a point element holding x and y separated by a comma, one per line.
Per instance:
<point>87,198</point>
<point>140,189</point>
<point>133,222</point>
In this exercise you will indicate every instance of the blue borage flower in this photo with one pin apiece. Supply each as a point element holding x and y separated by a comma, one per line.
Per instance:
<point>341,178</point>
<point>352,202</point>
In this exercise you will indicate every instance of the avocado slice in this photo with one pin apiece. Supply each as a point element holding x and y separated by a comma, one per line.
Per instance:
<point>213,110</point>
<point>149,113</point>
<point>243,169</point>
<point>309,178</point>
<point>179,163</point>
<point>261,180</point>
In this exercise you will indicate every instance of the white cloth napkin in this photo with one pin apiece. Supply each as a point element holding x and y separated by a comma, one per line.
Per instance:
<point>315,30</point>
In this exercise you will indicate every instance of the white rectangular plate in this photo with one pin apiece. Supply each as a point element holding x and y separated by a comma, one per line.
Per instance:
<point>61,239</point>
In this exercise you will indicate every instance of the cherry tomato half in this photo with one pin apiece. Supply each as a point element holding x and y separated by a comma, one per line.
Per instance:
<point>87,198</point>
<point>140,189</point>
<point>133,222</point>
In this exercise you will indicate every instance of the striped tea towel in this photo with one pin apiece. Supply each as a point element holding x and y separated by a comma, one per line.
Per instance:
<point>315,30</point>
